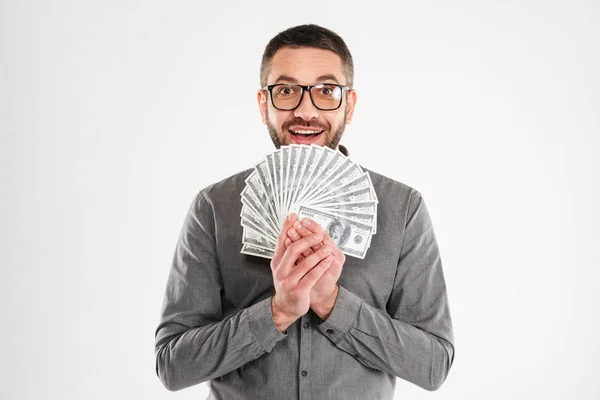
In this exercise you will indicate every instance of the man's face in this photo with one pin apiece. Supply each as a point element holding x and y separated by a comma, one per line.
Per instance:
<point>306,124</point>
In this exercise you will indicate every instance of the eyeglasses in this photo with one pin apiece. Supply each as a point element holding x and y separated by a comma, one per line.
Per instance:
<point>324,96</point>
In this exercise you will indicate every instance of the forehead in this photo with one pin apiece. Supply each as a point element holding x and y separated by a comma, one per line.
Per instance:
<point>305,65</point>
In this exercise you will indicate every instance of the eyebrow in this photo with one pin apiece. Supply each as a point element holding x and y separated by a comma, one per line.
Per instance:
<point>286,78</point>
<point>326,77</point>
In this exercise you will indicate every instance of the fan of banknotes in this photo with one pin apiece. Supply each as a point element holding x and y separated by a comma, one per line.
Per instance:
<point>311,181</point>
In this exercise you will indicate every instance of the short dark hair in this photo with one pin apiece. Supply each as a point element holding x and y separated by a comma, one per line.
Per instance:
<point>308,36</point>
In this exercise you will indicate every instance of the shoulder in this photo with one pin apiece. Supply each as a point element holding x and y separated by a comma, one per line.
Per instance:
<point>397,202</point>
<point>225,190</point>
<point>388,188</point>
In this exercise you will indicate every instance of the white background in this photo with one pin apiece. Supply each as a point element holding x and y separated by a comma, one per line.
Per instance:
<point>113,114</point>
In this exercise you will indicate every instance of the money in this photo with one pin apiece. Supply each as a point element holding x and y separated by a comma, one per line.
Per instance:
<point>256,251</point>
<point>359,209</point>
<point>257,239</point>
<point>349,236</point>
<point>314,182</point>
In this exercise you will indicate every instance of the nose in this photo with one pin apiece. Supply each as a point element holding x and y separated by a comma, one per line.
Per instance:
<point>306,110</point>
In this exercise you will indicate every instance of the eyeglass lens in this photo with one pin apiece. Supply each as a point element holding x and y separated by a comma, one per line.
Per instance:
<point>325,97</point>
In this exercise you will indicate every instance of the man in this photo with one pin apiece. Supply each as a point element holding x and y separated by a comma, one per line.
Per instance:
<point>311,323</point>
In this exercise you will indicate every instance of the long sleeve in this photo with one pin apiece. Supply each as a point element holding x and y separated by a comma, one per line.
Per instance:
<point>413,338</point>
<point>195,342</point>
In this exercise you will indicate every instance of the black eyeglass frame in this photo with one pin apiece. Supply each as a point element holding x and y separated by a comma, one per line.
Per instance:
<point>306,88</point>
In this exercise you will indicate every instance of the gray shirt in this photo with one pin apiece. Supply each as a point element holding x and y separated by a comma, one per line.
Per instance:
<point>391,318</point>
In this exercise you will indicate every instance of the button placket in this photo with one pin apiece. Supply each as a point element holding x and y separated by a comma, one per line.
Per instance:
<point>305,354</point>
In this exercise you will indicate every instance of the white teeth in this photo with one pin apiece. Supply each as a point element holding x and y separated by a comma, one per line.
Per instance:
<point>303,132</point>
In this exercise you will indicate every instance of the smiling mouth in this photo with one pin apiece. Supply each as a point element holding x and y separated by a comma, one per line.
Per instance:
<point>305,132</point>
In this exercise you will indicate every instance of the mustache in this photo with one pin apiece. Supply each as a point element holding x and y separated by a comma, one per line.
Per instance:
<point>303,123</point>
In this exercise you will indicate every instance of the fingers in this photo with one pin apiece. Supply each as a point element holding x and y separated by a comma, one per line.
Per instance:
<point>288,242</point>
<point>301,229</point>
<point>309,280</point>
<point>294,236</point>
<point>310,262</point>
<point>308,226</point>
<point>294,251</point>
<point>287,224</point>
<point>280,247</point>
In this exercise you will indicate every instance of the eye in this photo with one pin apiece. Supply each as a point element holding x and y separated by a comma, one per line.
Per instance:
<point>329,91</point>
<point>285,90</point>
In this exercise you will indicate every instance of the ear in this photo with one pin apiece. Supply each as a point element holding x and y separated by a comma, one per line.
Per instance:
<point>351,103</point>
<point>261,97</point>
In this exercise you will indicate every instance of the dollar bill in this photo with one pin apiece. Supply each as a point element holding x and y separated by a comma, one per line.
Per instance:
<point>313,155</point>
<point>351,237</point>
<point>350,174</point>
<point>301,167</point>
<point>278,178</point>
<point>333,161</point>
<point>257,251</point>
<point>364,207</point>
<point>264,175</point>
<point>251,201</point>
<point>336,167</point>
<point>285,171</point>
<point>357,195</point>
<point>357,209</point>
<point>270,161</point>
<point>367,219</point>
<point>249,222</point>
<point>322,157</point>
<point>262,201</point>
<point>293,172</point>
<point>250,236</point>
<point>360,182</point>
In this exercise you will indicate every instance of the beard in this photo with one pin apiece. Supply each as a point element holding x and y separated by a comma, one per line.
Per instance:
<point>281,140</point>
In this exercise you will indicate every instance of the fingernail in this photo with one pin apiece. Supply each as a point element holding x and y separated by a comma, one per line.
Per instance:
<point>328,260</point>
<point>297,225</point>
<point>306,221</point>
<point>326,249</point>
<point>292,233</point>
<point>318,236</point>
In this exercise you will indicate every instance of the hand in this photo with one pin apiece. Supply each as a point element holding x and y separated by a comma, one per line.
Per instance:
<point>324,293</point>
<point>294,280</point>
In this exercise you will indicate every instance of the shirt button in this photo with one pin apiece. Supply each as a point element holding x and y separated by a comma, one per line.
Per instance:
<point>304,373</point>
<point>330,331</point>
<point>306,325</point>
